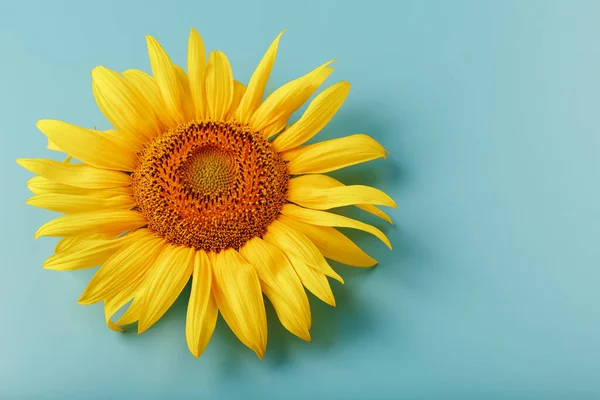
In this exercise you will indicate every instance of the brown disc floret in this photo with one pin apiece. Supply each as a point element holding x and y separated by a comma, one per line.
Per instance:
<point>210,185</point>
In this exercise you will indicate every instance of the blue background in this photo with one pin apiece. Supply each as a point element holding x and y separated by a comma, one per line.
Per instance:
<point>490,110</point>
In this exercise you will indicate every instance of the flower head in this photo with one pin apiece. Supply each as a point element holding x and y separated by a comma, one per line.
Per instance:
<point>203,179</point>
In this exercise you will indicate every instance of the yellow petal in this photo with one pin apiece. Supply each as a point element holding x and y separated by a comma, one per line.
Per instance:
<point>80,241</point>
<point>95,148</point>
<point>304,248</point>
<point>281,285</point>
<point>128,265</point>
<point>71,204</point>
<point>256,86</point>
<point>114,304</point>
<point>324,218</point>
<point>78,175</point>
<point>236,288</point>
<point>52,146</point>
<point>333,154</point>
<point>169,275</point>
<point>134,310</point>
<point>39,185</point>
<point>137,290</point>
<point>313,279</point>
<point>121,138</point>
<point>67,242</point>
<point>147,87</point>
<point>186,96</point>
<point>317,115</point>
<point>332,243</point>
<point>202,309</point>
<point>302,191</point>
<point>280,123</point>
<point>91,253</point>
<point>238,92</point>
<point>122,104</point>
<point>109,221</point>
<point>375,211</point>
<point>167,80</point>
<point>219,85</point>
<point>327,182</point>
<point>197,72</point>
<point>272,115</point>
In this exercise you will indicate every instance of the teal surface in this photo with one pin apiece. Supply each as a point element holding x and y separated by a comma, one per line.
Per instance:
<point>490,110</point>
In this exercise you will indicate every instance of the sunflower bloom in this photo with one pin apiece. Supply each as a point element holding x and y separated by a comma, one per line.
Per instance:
<point>203,179</point>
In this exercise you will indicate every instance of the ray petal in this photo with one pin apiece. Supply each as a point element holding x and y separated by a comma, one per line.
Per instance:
<point>305,191</point>
<point>186,96</point>
<point>219,85</point>
<point>95,148</point>
<point>170,273</point>
<point>256,86</point>
<point>122,104</point>
<point>326,182</point>
<point>91,254</point>
<point>147,87</point>
<point>72,204</point>
<point>324,218</point>
<point>304,248</point>
<point>114,304</point>
<point>167,79</point>
<point>109,221</point>
<point>78,175</point>
<point>39,185</point>
<point>238,92</point>
<point>74,243</point>
<point>202,309</point>
<point>332,243</point>
<point>281,285</point>
<point>239,298</point>
<point>333,154</point>
<point>313,279</point>
<point>129,264</point>
<point>274,112</point>
<point>197,73</point>
<point>317,115</point>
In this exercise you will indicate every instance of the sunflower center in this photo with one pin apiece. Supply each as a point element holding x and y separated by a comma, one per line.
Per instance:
<point>210,185</point>
<point>209,170</point>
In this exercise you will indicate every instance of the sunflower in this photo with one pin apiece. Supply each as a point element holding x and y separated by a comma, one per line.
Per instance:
<point>203,179</point>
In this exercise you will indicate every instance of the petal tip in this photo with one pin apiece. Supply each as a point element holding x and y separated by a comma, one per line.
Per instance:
<point>338,278</point>
<point>96,69</point>
<point>43,123</point>
<point>195,351</point>
<point>85,299</point>
<point>142,327</point>
<point>305,335</point>
<point>151,42</point>
<point>280,34</point>
<point>260,354</point>
<point>24,162</point>
<point>115,327</point>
